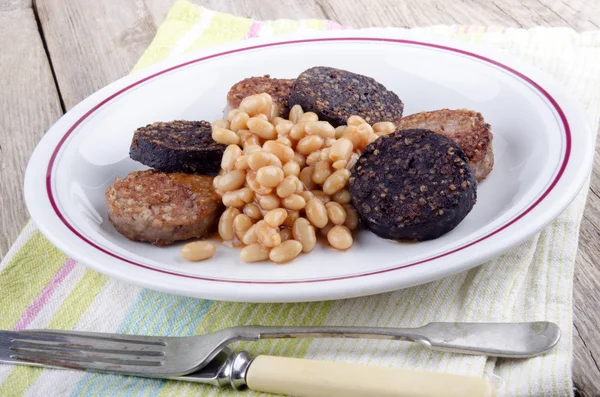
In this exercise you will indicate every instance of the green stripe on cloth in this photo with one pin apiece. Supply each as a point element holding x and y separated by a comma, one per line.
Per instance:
<point>28,272</point>
<point>67,316</point>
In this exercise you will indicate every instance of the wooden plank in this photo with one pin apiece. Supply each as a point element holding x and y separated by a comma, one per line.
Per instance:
<point>29,104</point>
<point>105,38</point>
<point>357,13</point>
<point>9,5</point>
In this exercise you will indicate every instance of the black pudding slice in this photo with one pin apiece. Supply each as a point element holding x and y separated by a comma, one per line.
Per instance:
<point>177,146</point>
<point>413,185</point>
<point>335,94</point>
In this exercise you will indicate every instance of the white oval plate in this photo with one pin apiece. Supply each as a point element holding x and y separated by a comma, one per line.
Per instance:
<point>542,144</point>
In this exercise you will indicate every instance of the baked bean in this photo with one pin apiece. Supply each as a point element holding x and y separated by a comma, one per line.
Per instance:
<point>336,182</point>
<point>340,237</point>
<point>238,198</point>
<point>230,156</point>
<point>306,177</point>
<point>321,196</point>
<point>316,212</point>
<point>226,223</point>
<point>262,128</point>
<point>268,202</point>
<point>253,211</point>
<point>351,133</point>
<point>321,172</point>
<point>336,213</point>
<point>384,127</point>
<point>288,186</point>
<point>248,138</point>
<point>255,104</point>
<point>250,236</point>
<point>339,131</point>
<point>308,116</point>
<point>220,124</point>
<point>351,221</point>
<point>309,144</point>
<point>298,131</point>
<point>231,114</point>
<point>254,253</point>
<point>313,158</point>
<point>293,202</point>
<point>215,182</point>
<point>232,180</point>
<point>276,217</point>
<point>239,121</point>
<point>329,142</point>
<point>255,185</point>
<point>198,250</point>
<point>283,128</point>
<point>274,111</point>
<point>283,152</point>
<point>307,195</point>
<point>267,235</point>
<point>365,129</point>
<point>241,163</point>
<point>241,224</point>
<point>225,136</point>
<point>291,168</point>
<point>286,251</point>
<point>262,116</point>
<point>324,230</point>
<point>304,233</point>
<point>342,197</point>
<point>295,113</point>
<point>251,148</point>
<point>355,120</point>
<point>371,138</point>
<point>258,160</point>
<point>324,154</point>
<point>321,128</point>
<point>277,120</point>
<point>352,161</point>
<point>270,176</point>
<point>300,159</point>
<point>341,150</point>
<point>291,218</point>
<point>284,141</point>
<point>286,234</point>
<point>338,165</point>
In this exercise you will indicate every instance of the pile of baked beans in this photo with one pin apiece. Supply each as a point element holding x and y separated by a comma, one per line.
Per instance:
<point>284,180</point>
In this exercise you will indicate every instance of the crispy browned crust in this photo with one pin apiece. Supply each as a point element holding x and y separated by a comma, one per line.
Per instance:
<point>162,208</point>
<point>465,127</point>
<point>279,89</point>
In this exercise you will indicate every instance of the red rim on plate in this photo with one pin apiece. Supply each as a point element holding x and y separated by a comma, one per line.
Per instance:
<point>544,93</point>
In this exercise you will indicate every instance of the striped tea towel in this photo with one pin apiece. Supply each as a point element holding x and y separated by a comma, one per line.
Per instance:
<point>42,288</point>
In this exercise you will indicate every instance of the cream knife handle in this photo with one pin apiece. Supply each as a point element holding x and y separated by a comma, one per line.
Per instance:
<point>311,378</point>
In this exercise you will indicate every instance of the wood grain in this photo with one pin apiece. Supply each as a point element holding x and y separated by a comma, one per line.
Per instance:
<point>106,38</point>
<point>93,43</point>
<point>29,104</point>
<point>9,5</point>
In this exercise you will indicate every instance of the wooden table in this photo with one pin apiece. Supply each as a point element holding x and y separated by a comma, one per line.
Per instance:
<point>54,53</point>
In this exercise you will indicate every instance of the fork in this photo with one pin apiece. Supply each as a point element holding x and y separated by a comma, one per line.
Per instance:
<point>178,356</point>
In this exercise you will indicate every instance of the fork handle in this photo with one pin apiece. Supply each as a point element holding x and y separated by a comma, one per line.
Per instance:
<point>311,378</point>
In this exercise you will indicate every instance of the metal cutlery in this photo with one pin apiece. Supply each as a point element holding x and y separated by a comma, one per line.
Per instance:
<point>206,359</point>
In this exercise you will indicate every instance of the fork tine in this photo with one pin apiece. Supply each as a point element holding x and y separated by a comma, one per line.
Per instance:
<point>88,342</point>
<point>88,351</point>
<point>35,356</point>
<point>28,346</point>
